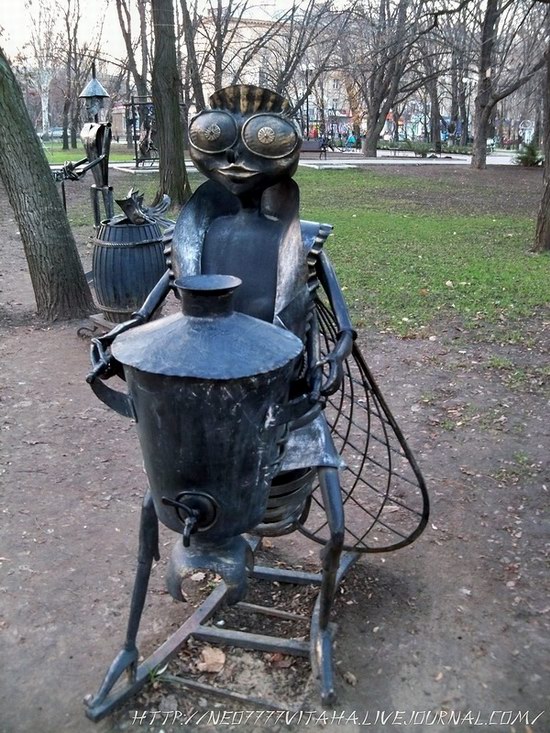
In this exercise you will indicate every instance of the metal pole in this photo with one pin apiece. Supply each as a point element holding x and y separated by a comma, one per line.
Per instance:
<point>134,130</point>
<point>307,104</point>
<point>96,116</point>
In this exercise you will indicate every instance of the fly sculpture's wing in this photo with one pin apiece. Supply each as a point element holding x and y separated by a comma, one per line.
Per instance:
<point>384,494</point>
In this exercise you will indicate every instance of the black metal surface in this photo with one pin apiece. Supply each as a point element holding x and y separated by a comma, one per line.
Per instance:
<point>196,626</point>
<point>127,659</point>
<point>98,709</point>
<point>235,473</point>
<point>127,262</point>
<point>208,340</point>
<point>202,368</point>
<point>322,632</point>
<point>383,490</point>
<point>96,138</point>
<point>230,557</point>
<point>240,413</point>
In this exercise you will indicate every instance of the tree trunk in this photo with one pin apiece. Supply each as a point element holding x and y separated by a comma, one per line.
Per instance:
<point>55,268</point>
<point>74,134</point>
<point>479,148</point>
<point>464,112</point>
<point>435,115</point>
<point>454,111</point>
<point>542,236</point>
<point>483,103</point>
<point>66,104</point>
<point>370,143</point>
<point>354,105</point>
<point>45,103</point>
<point>166,101</point>
<point>375,125</point>
<point>124,19</point>
<point>537,131</point>
<point>396,116</point>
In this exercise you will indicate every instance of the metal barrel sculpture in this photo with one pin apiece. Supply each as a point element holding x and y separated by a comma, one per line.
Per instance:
<point>127,262</point>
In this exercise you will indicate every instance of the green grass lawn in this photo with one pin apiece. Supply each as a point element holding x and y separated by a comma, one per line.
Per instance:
<point>57,156</point>
<point>404,267</point>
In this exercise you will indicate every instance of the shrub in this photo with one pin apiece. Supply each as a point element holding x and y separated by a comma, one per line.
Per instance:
<point>528,156</point>
<point>421,149</point>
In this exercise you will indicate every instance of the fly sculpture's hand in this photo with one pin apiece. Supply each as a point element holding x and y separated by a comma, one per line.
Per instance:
<point>329,371</point>
<point>103,362</point>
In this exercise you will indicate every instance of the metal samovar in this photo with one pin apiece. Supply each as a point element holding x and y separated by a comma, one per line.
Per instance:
<point>208,389</point>
<point>200,380</point>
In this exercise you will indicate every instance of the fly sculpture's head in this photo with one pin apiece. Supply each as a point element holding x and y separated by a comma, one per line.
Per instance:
<point>246,140</point>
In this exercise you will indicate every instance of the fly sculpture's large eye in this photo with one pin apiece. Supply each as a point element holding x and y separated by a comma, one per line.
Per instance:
<point>269,136</point>
<point>213,131</point>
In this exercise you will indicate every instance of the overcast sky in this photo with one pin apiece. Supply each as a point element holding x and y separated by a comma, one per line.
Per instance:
<point>15,20</point>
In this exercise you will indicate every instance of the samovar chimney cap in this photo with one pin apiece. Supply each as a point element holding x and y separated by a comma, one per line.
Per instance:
<point>207,295</point>
<point>208,340</point>
<point>214,284</point>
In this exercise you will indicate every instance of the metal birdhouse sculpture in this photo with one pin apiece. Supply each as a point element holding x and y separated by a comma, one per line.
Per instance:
<point>255,410</point>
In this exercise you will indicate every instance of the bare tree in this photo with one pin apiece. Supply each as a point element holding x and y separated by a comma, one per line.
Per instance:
<point>55,268</point>
<point>457,30</point>
<point>306,36</point>
<point>225,46</point>
<point>542,236</point>
<point>190,25</point>
<point>166,101</point>
<point>507,59</point>
<point>76,56</point>
<point>138,66</point>
<point>71,21</point>
<point>431,84</point>
<point>376,55</point>
<point>44,47</point>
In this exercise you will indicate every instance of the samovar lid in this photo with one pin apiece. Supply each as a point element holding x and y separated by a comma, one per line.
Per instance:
<point>208,339</point>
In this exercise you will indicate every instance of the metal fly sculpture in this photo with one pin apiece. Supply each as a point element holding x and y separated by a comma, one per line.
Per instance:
<point>332,463</point>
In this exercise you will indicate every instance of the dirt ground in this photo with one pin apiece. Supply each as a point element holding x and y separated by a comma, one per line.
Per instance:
<point>455,624</point>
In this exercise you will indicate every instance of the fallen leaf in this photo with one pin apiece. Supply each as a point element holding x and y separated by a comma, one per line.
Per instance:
<point>350,678</point>
<point>280,661</point>
<point>212,660</point>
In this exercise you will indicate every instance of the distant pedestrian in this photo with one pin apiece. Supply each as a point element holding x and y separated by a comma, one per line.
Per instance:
<point>350,142</point>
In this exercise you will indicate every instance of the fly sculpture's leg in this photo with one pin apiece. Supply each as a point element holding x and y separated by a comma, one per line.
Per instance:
<point>321,636</point>
<point>329,482</point>
<point>127,658</point>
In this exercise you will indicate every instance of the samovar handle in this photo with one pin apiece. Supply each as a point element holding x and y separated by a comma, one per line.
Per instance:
<point>102,369</point>
<point>118,401</point>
